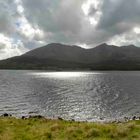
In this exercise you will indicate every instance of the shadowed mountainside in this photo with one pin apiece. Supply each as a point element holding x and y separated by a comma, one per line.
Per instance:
<point>57,56</point>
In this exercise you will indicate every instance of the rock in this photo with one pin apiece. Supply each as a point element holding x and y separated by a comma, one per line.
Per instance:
<point>72,120</point>
<point>6,115</point>
<point>36,116</point>
<point>101,118</point>
<point>24,117</point>
<point>126,118</point>
<point>59,118</point>
<point>134,118</point>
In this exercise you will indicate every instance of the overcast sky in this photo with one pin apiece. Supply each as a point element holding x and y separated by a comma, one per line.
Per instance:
<point>27,24</point>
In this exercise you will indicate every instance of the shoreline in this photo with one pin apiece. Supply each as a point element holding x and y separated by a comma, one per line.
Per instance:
<point>121,120</point>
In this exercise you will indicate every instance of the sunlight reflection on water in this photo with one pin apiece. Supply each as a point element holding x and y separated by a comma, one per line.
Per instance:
<point>63,74</point>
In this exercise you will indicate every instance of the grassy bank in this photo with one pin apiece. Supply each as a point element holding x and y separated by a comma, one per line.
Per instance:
<point>42,129</point>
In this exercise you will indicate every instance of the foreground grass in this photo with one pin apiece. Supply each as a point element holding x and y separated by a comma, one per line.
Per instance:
<point>42,129</point>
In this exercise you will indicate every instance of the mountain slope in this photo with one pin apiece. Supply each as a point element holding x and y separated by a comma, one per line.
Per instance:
<point>58,51</point>
<point>57,56</point>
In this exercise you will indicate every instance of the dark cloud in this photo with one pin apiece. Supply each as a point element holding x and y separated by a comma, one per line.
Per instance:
<point>64,19</point>
<point>92,11</point>
<point>27,24</point>
<point>119,16</point>
<point>6,25</point>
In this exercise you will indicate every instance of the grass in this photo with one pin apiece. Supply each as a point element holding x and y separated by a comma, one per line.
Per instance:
<point>43,129</point>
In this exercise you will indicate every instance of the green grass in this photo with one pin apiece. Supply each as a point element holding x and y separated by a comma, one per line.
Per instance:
<point>43,129</point>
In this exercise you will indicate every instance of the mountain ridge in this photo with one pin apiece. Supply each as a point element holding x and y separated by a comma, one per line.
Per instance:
<point>57,56</point>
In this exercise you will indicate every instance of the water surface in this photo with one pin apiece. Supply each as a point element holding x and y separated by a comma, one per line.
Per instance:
<point>81,96</point>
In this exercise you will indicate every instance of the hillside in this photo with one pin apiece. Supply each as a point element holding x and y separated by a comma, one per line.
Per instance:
<point>57,56</point>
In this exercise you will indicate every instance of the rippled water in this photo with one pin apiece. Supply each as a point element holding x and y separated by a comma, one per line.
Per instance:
<point>71,95</point>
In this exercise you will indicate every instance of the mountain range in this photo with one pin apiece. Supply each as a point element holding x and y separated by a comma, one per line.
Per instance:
<point>56,56</point>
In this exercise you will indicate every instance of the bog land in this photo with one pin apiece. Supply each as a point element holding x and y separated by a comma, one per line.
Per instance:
<point>45,129</point>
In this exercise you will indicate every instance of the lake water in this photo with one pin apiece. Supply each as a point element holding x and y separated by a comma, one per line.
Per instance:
<point>83,96</point>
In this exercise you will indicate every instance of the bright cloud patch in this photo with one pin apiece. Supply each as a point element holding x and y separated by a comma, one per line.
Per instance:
<point>9,48</point>
<point>92,9</point>
<point>27,30</point>
<point>17,34</point>
<point>27,24</point>
<point>136,30</point>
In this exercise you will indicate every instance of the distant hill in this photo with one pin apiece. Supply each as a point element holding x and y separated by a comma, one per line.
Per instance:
<point>57,56</point>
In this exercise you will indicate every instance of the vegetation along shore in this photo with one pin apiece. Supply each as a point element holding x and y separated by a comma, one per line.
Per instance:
<point>40,128</point>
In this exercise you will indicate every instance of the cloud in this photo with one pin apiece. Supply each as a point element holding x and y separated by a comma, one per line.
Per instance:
<point>27,24</point>
<point>9,48</point>
<point>6,25</point>
<point>118,20</point>
<point>62,20</point>
<point>131,37</point>
<point>119,12</point>
<point>16,32</point>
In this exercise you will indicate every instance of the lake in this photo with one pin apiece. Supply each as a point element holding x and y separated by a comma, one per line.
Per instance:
<point>83,96</point>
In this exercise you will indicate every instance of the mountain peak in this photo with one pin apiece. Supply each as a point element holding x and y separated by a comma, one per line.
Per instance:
<point>132,46</point>
<point>54,45</point>
<point>61,56</point>
<point>60,45</point>
<point>105,46</point>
